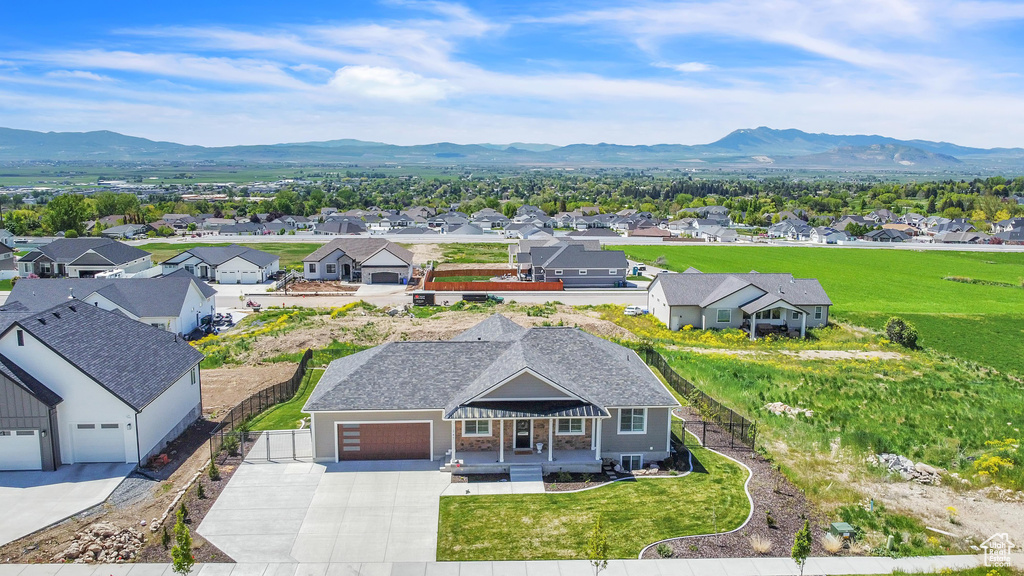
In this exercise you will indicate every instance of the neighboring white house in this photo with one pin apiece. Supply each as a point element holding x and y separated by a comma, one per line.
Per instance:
<point>745,301</point>
<point>225,264</point>
<point>367,260</point>
<point>176,302</point>
<point>83,258</point>
<point>91,385</point>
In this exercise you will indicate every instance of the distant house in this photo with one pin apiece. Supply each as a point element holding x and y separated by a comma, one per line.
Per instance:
<point>825,235</point>
<point>718,234</point>
<point>745,301</point>
<point>574,265</point>
<point>886,235</point>
<point>125,231</point>
<point>791,229</point>
<point>650,232</point>
<point>243,229</point>
<point>594,233</point>
<point>467,230</point>
<point>963,238</point>
<point>845,221</point>
<point>1015,236</point>
<point>905,228</point>
<point>411,230</point>
<point>176,302</point>
<point>83,258</point>
<point>295,222</point>
<point>1008,224</point>
<point>881,216</point>
<point>366,260</point>
<point>8,263</point>
<point>338,228</point>
<point>231,264</point>
<point>6,238</point>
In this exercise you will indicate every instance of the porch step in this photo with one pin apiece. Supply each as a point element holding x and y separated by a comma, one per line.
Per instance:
<point>523,473</point>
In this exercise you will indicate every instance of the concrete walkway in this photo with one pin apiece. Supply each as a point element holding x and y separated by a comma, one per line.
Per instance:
<point>708,567</point>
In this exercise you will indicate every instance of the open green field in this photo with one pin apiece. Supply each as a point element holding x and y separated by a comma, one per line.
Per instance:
<point>555,526</point>
<point>972,321</point>
<point>475,253</point>
<point>291,253</point>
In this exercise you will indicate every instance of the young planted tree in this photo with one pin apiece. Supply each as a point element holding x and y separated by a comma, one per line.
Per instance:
<point>802,546</point>
<point>597,547</point>
<point>181,553</point>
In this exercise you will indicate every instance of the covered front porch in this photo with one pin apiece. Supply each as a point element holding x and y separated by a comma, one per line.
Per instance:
<point>490,462</point>
<point>774,316</point>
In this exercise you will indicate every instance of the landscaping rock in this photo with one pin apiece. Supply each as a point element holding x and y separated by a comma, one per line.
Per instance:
<point>779,409</point>
<point>102,542</point>
<point>920,472</point>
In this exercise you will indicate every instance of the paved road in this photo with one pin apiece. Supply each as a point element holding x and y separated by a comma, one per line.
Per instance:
<point>30,501</point>
<point>710,567</point>
<point>345,512</point>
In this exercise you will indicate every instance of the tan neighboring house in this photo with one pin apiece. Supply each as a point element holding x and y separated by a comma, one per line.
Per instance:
<point>366,260</point>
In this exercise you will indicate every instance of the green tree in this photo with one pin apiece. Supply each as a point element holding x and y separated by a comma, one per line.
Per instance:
<point>65,212</point>
<point>597,547</point>
<point>901,332</point>
<point>70,234</point>
<point>181,553</point>
<point>802,546</point>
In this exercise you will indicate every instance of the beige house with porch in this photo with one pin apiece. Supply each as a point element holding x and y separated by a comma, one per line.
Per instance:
<point>757,303</point>
<point>495,396</point>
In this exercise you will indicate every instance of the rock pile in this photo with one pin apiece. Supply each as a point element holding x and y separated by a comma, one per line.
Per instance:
<point>778,408</point>
<point>907,469</point>
<point>103,542</point>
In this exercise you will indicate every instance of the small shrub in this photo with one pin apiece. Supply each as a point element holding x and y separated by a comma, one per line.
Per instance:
<point>664,550</point>
<point>588,478</point>
<point>901,332</point>
<point>832,543</point>
<point>760,545</point>
<point>200,491</point>
<point>213,472</point>
<point>165,539</point>
<point>564,477</point>
<point>230,445</point>
<point>183,512</point>
<point>769,519</point>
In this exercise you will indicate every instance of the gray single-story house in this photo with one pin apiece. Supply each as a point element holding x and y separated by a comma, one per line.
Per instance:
<point>745,301</point>
<point>575,265</point>
<point>495,396</point>
<point>366,260</point>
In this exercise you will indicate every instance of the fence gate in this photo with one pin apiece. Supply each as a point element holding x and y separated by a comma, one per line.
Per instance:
<point>281,446</point>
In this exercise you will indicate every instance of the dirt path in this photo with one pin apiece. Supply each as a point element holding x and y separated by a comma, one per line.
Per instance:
<point>800,354</point>
<point>224,388</point>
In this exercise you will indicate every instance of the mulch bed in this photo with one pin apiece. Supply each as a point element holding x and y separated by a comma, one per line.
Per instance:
<point>478,478</point>
<point>770,490</point>
<point>202,550</point>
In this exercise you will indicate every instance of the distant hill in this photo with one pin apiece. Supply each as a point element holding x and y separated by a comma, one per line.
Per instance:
<point>757,147</point>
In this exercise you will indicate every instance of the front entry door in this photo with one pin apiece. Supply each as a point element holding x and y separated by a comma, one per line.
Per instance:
<point>522,435</point>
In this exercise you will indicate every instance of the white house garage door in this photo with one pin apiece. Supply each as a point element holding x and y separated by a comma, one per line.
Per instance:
<point>19,450</point>
<point>98,442</point>
<point>392,441</point>
<point>228,277</point>
<point>384,278</point>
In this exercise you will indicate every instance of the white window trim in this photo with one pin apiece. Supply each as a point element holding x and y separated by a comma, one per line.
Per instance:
<point>619,427</point>
<point>624,456</point>
<point>558,272</point>
<point>819,312</point>
<point>718,315</point>
<point>795,315</point>
<point>311,267</point>
<point>327,269</point>
<point>558,427</point>
<point>613,271</point>
<point>476,434</point>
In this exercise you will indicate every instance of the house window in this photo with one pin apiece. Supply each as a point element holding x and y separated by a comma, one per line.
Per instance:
<point>724,315</point>
<point>476,428</point>
<point>613,271</point>
<point>558,272</point>
<point>190,269</point>
<point>583,272</point>
<point>796,315</point>
<point>632,461</point>
<point>21,337</point>
<point>632,420</point>
<point>332,268</point>
<point>193,376</point>
<point>312,268</point>
<point>570,426</point>
<point>818,311</point>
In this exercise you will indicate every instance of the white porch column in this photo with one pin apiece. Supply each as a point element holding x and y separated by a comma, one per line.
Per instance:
<point>753,326</point>
<point>454,424</point>
<point>803,324</point>
<point>501,441</point>
<point>597,428</point>
<point>551,439</point>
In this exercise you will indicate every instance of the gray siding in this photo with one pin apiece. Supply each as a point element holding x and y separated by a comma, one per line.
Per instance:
<point>525,386</point>
<point>653,445</point>
<point>19,410</point>
<point>594,278</point>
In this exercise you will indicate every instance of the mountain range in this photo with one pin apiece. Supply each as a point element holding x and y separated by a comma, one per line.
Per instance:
<point>748,148</point>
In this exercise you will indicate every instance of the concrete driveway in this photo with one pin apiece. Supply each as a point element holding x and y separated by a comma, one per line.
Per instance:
<point>347,512</point>
<point>31,501</point>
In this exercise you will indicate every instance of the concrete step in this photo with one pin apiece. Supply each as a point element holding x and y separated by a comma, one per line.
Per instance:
<point>526,473</point>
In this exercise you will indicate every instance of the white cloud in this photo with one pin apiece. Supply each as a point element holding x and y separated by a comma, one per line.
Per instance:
<point>687,66</point>
<point>387,84</point>
<point>78,75</point>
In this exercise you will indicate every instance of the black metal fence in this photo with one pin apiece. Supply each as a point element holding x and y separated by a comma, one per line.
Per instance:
<point>232,424</point>
<point>737,428</point>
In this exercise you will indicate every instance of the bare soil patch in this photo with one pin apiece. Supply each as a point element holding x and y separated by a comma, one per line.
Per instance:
<point>425,252</point>
<point>307,287</point>
<point>224,388</point>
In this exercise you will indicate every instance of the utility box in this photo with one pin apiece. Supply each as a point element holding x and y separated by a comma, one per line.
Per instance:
<point>843,530</point>
<point>423,299</point>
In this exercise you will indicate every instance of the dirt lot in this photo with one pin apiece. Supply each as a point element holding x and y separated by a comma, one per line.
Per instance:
<point>425,252</point>
<point>304,287</point>
<point>224,388</point>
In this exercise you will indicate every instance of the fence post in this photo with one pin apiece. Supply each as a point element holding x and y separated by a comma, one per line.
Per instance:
<point>731,436</point>
<point>293,445</point>
<point>704,433</point>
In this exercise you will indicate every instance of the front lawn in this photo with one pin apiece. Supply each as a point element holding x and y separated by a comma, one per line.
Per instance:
<point>6,285</point>
<point>291,253</point>
<point>556,526</point>
<point>286,416</point>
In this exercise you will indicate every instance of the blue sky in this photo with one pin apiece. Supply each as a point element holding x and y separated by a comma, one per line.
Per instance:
<point>405,72</point>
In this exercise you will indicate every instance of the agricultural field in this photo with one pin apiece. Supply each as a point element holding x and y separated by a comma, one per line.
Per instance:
<point>970,320</point>
<point>291,253</point>
<point>475,253</point>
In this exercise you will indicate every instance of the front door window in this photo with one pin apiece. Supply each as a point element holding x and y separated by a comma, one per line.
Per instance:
<point>522,435</point>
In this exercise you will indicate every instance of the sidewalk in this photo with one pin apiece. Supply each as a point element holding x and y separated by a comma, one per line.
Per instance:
<point>702,567</point>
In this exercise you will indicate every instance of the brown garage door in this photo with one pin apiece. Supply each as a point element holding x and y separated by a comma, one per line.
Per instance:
<point>393,441</point>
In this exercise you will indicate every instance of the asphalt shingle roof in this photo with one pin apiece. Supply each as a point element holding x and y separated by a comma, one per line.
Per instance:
<point>448,374</point>
<point>217,255</point>
<point>359,249</point>
<point>134,361</point>
<point>67,250</point>
<point>148,297</point>
<point>577,256</point>
<point>698,289</point>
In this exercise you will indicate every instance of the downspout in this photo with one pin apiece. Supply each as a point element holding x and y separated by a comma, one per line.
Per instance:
<point>138,445</point>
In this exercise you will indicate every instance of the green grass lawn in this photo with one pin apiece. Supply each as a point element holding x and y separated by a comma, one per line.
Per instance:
<point>972,321</point>
<point>6,285</point>
<point>556,526</point>
<point>464,278</point>
<point>291,253</point>
<point>475,253</point>
<point>286,416</point>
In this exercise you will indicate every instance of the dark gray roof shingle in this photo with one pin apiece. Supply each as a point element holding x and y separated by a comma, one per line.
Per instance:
<point>359,249</point>
<point>160,296</point>
<point>698,289</point>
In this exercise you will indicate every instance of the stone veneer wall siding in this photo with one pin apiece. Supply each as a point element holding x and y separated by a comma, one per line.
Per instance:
<point>540,434</point>
<point>581,442</point>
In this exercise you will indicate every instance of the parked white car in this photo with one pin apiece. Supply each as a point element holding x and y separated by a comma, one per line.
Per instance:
<point>635,311</point>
